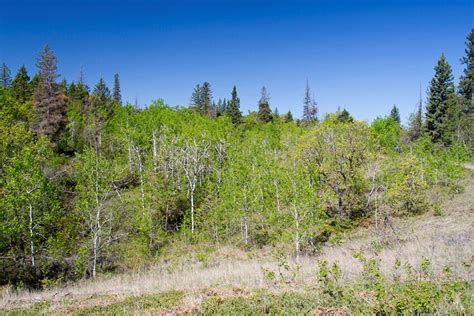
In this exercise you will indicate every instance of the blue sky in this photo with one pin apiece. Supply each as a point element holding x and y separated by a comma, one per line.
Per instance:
<point>362,55</point>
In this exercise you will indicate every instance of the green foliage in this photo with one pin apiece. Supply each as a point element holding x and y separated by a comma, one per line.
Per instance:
<point>386,133</point>
<point>337,155</point>
<point>145,303</point>
<point>264,112</point>
<point>441,97</point>
<point>20,86</point>
<point>233,108</point>
<point>395,114</point>
<point>407,187</point>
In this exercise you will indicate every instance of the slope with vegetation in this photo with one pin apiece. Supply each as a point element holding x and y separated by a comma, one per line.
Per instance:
<point>89,187</point>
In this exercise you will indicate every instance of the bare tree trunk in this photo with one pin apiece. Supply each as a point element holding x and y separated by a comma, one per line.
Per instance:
<point>297,234</point>
<point>32,244</point>
<point>96,226</point>
<point>94,248</point>
<point>142,189</point>
<point>246,230</point>
<point>155,151</point>
<point>191,197</point>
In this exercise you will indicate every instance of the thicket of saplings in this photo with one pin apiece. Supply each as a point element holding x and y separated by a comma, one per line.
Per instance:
<point>160,175</point>
<point>90,186</point>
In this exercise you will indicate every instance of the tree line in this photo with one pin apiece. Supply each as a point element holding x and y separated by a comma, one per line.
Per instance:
<point>90,185</point>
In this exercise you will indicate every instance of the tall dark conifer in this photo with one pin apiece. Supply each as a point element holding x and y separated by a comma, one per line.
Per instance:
<point>21,85</point>
<point>395,114</point>
<point>441,96</point>
<point>206,107</point>
<point>466,87</point>
<point>466,83</point>
<point>117,95</point>
<point>264,111</point>
<point>233,108</point>
<point>49,103</point>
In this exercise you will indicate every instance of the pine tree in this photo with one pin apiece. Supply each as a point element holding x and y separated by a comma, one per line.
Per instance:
<point>5,76</point>
<point>20,86</point>
<point>440,98</point>
<point>48,102</point>
<point>288,117</point>
<point>310,109</point>
<point>395,114</point>
<point>117,96</point>
<point>264,111</point>
<point>233,108</point>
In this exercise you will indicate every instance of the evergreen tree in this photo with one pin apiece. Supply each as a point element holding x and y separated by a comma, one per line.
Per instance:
<point>264,111</point>
<point>288,117</point>
<point>344,116</point>
<point>117,96</point>
<point>5,76</point>
<point>440,97</point>
<point>466,83</point>
<point>48,102</point>
<point>395,114</point>
<point>206,100</point>
<point>20,85</point>
<point>233,109</point>
<point>276,113</point>
<point>101,91</point>
<point>466,95</point>
<point>310,109</point>
<point>196,98</point>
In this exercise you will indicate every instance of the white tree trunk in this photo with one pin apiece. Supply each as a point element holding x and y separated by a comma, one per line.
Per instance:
<point>297,234</point>
<point>191,197</point>
<point>32,244</point>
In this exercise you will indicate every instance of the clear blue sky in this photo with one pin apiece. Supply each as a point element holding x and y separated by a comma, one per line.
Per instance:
<point>362,55</point>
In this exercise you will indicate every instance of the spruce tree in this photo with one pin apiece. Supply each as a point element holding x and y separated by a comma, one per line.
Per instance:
<point>196,98</point>
<point>288,117</point>
<point>20,86</point>
<point>264,111</point>
<point>101,91</point>
<point>466,95</point>
<point>395,114</point>
<point>276,113</point>
<point>440,97</point>
<point>466,83</point>
<point>5,76</point>
<point>117,96</point>
<point>206,100</point>
<point>233,108</point>
<point>344,116</point>
<point>50,105</point>
<point>310,109</point>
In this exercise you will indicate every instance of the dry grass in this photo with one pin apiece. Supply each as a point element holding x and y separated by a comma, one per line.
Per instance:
<point>444,240</point>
